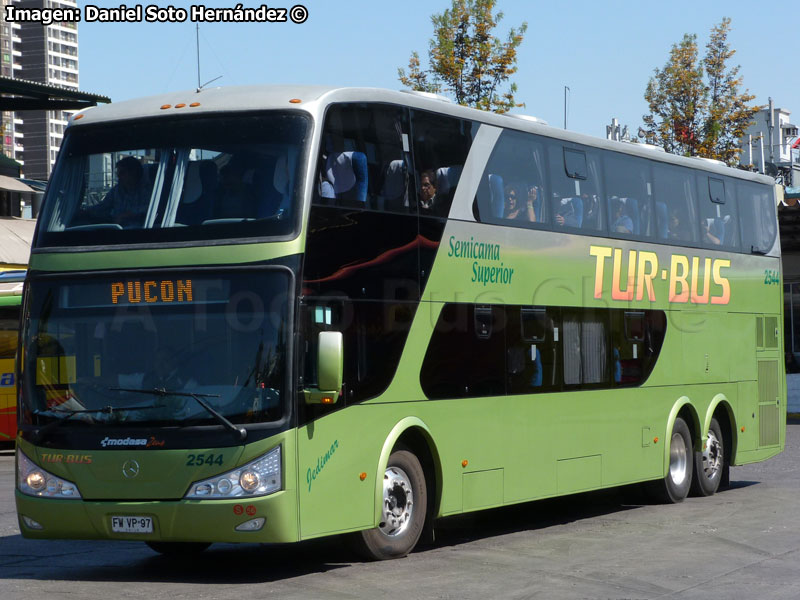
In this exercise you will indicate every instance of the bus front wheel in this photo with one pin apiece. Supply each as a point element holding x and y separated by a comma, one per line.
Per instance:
<point>710,463</point>
<point>675,486</point>
<point>404,503</point>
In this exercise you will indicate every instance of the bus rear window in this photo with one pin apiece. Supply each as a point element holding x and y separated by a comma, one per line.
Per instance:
<point>156,181</point>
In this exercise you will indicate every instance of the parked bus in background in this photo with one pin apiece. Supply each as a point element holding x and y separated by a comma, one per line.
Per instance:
<point>269,314</point>
<point>10,301</point>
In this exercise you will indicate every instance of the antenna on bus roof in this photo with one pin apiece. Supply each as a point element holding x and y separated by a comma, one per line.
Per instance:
<point>199,85</point>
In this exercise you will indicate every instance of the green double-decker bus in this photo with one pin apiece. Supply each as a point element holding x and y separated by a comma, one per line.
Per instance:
<point>269,314</point>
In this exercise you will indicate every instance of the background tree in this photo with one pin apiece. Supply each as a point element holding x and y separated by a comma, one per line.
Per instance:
<point>695,106</point>
<point>728,112</point>
<point>677,99</point>
<point>466,59</point>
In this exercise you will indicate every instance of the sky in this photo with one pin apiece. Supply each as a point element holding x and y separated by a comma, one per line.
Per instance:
<point>603,51</point>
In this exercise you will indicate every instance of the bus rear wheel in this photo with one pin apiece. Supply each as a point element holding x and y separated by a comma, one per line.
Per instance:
<point>405,501</point>
<point>178,548</point>
<point>675,486</point>
<point>710,463</point>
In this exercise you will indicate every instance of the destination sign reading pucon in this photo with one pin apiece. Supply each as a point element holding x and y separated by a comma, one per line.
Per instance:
<point>151,291</point>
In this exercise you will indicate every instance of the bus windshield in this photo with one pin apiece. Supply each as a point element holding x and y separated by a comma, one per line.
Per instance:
<point>135,351</point>
<point>157,180</point>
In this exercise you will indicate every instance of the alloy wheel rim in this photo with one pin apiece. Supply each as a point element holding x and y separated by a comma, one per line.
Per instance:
<point>398,502</point>
<point>678,459</point>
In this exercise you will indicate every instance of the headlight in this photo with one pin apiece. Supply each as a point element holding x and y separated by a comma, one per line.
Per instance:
<point>33,480</point>
<point>257,478</point>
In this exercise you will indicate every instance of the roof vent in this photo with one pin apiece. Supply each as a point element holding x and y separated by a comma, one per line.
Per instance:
<point>713,161</point>
<point>428,95</point>
<point>529,118</point>
<point>651,147</point>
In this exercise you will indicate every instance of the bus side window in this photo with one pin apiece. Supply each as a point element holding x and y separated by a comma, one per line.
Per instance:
<point>757,209</point>
<point>466,353</point>
<point>675,204</point>
<point>512,185</point>
<point>636,338</point>
<point>364,159</point>
<point>629,195</point>
<point>718,214</point>
<point>574,177</point>
<point>586,353</point>
<point>441,145</point>
<point>532,350</point>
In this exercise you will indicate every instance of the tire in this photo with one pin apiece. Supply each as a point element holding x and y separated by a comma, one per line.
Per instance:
<point>675,486</point>
<point>178,548</point>
<point>405,501</point>
<point>709,465</point>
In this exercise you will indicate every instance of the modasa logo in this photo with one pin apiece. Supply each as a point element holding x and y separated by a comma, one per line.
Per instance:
<point>124,442</point>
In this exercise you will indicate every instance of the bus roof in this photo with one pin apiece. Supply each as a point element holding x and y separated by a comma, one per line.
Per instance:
<point>314,99</point>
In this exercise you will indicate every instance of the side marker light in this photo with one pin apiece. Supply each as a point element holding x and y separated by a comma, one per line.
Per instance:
<point>166,106</point>
<point>655,440</point>
<point>464,462</point>
<point>295,101</point>
<point>363,476</point>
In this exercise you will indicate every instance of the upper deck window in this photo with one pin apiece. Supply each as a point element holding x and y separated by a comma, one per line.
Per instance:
<point>155,181</point>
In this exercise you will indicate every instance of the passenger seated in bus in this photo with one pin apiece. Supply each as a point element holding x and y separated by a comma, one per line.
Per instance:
<point>514,211</point>
<point>126,203</point>
<point>345,178</point>
<point>568,212</point>
<point>234,197</point>
<point>621,223</point>
<point>199,192</point>
<point>677,226</point>
<point>591,211</point>
<point>427,193</point>
<point>711,233</point>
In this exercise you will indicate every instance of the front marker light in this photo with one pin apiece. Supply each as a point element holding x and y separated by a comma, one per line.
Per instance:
<point>32,480</point>
<point>259,477</point>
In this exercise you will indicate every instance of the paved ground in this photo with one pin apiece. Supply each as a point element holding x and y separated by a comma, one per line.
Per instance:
<point>741,543</point>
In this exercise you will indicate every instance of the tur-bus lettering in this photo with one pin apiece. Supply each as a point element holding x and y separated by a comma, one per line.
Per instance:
<point>135,292</point>
<point>691,279</point>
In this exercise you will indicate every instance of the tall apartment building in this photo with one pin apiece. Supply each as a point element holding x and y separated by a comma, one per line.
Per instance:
<point>9,67</point>
<point>47,55</point>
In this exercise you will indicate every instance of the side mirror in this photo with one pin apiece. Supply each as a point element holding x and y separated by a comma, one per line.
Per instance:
<point>330,365</point>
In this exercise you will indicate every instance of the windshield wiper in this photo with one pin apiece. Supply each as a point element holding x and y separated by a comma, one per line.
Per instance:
<point>68,414</point>
<point>239,432</point>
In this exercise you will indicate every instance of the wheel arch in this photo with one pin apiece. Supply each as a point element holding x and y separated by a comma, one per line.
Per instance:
<point>414,435</point>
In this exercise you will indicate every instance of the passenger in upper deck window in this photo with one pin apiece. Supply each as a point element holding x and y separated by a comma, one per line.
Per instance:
<point>565,214</point>
<point>126,203</point>
<point>514,211</point>
<point>427,192</point>
<point>621,223</point>
<point>677,229</point>
<point>710,230</point>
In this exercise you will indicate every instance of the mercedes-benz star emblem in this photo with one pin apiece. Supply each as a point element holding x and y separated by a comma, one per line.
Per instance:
<point>130,469</point>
